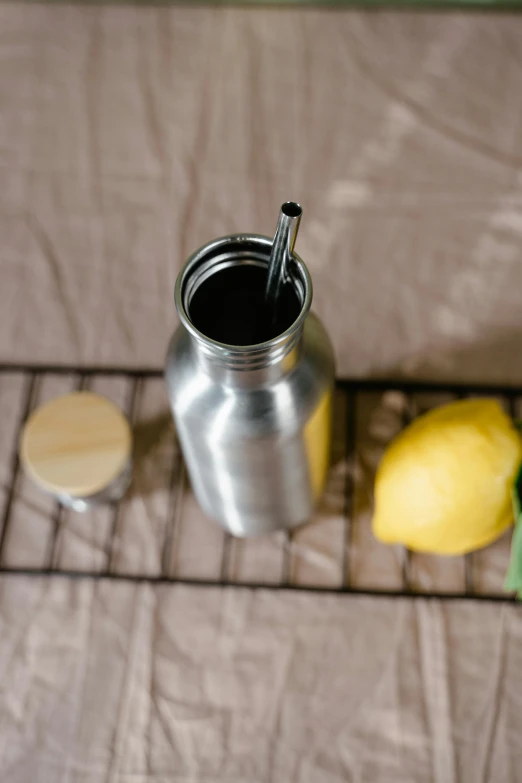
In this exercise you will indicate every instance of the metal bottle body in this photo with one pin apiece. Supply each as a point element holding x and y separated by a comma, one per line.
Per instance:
<point>254,422</point>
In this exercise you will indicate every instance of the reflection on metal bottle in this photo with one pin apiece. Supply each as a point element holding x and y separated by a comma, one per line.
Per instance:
<point>253,419</point>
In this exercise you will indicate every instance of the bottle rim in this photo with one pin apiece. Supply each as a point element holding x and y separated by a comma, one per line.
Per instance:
<point>229,251</point>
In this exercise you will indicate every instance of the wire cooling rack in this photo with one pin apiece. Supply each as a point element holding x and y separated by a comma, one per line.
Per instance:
<point>158,534</point>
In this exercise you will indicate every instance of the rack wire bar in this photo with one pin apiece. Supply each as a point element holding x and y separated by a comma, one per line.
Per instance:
<point>170,552</point>
<point>131,407</point>
<point>29,397</point>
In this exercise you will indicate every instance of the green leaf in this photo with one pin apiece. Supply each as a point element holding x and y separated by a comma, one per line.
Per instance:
<point>513,581</point>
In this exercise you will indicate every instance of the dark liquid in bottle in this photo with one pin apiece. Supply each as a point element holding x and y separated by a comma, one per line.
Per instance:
<point>230,307</point>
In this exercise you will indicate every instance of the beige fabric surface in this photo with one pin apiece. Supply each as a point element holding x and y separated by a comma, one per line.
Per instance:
<point>111,682</point>
<point>128,137</point>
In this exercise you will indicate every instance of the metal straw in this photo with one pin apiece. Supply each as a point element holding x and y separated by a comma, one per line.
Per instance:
<point>282,247</point>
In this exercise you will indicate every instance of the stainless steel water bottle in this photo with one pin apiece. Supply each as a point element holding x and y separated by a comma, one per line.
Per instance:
<point>250,388</point>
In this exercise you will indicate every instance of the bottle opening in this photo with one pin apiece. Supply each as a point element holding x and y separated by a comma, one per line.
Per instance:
<point>220,297</point>
<point>229,306</point>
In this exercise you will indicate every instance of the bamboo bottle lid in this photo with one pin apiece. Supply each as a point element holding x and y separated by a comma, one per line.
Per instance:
<point>76,444</point>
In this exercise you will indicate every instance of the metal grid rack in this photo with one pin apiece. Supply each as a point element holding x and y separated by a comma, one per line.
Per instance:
<point>277,571</point>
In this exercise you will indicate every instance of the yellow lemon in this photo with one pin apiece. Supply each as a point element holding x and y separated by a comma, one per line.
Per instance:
<point>444,483</point>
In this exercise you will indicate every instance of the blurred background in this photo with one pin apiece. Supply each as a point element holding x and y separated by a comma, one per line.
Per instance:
<point>130,136</point>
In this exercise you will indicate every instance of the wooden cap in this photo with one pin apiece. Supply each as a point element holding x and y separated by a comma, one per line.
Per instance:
<point>76,444</point>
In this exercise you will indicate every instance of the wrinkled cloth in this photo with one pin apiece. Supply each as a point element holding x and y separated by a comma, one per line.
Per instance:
<point>131,136</point>
<point>128,138</point>
<point>129,683</point>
